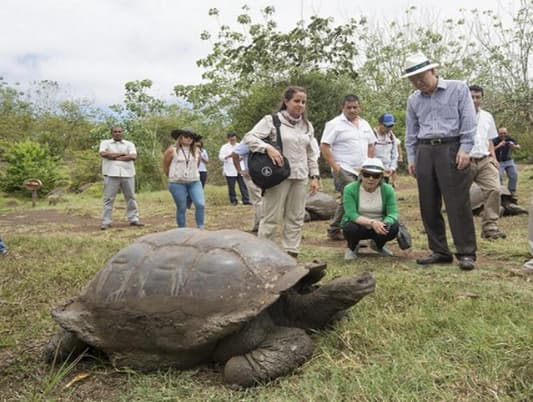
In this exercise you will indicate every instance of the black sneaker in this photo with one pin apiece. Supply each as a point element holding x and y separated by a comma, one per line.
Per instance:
<point>466,263</point>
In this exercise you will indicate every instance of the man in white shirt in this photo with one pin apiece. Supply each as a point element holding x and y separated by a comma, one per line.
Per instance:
<point>347,141</point>
<point>484,167</point>
<point>118,170</point>
<point>231,173</point>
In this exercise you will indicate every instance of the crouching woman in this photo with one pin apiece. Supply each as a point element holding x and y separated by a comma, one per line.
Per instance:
<point>370,210</point>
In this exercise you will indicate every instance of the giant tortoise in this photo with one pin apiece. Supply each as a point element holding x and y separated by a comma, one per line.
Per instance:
<point>187,296</point>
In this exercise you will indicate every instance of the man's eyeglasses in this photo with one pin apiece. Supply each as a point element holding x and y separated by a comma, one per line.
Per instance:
<point>368,175</point>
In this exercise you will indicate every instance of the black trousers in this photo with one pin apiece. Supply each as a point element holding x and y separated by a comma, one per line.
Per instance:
<point>242,187</point>
<point>438,178</point>
<point>203,178</point>
<point>354,233</point>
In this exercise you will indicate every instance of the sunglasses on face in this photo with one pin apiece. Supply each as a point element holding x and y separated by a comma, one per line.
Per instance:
<point>368,175</point>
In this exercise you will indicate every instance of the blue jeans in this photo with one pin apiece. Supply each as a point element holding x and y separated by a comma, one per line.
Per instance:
<point>179,192</point>
<point>3,248</point>
<point>510,168</point>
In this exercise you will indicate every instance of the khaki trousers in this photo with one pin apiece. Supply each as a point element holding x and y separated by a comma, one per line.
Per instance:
<point>486,176</point>
<point>254,194</point>
<point>284,204</point>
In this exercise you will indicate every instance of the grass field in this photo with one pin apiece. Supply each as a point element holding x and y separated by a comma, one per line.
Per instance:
<point>426,334</point>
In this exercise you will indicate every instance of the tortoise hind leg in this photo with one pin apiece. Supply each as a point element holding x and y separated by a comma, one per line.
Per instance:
<point>278,354</point>
<point>63,346</point>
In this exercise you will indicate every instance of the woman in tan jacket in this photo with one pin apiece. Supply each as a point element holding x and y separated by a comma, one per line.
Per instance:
<point>285,203</point>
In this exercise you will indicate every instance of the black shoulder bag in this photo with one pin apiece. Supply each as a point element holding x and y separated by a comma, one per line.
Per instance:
<point>262,170</point>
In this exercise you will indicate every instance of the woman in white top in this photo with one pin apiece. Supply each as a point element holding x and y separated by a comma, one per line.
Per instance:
<point>180,164</point>
<point>284,204</point>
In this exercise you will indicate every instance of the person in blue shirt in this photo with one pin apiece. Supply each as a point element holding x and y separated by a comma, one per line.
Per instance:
<point>440,128</point>
<point>3,248</point>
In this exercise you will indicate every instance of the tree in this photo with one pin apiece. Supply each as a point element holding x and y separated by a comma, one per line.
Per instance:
<point>264,55</point>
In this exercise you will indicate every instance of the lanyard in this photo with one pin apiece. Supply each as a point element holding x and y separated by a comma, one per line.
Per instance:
<point>187,157</point>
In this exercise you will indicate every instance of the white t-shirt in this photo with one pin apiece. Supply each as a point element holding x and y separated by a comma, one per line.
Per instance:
<point>485,132</point>
<point>370,204</point>
<point>349,144</point>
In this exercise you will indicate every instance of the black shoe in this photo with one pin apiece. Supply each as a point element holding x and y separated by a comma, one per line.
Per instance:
<point>234,203</point>
<point>246,203</point>
<point>336,236</point>
<point>466,263</point>
<point>136,223</point>
<point>435,259</point>
<point>105,226</point>
<point>292,254</point>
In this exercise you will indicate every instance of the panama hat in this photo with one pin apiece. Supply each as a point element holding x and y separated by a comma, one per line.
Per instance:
<point>417,63</point>
<point>373,165</point>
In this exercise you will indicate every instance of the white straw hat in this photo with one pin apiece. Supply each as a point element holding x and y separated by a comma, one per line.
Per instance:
<point>417,63</point>
<point>373,165</point>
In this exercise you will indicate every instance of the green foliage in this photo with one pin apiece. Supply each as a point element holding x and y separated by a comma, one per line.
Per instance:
<point>29,160</point>
<point>84,168</point>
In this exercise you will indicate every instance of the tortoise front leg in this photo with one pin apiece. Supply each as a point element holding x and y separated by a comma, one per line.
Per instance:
<point>63,346</point>
<point>278,354</point>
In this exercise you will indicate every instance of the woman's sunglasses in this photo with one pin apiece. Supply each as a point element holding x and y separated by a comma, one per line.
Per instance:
<point>368,175</point>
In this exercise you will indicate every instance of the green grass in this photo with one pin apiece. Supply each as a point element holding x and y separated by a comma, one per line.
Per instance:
<point>436,334</point>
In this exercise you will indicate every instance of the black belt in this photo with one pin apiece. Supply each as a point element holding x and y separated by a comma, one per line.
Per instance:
<point>437,141</point>
<point>479,159</point>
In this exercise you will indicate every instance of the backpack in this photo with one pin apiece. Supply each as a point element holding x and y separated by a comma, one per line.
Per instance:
<point>262,170</point>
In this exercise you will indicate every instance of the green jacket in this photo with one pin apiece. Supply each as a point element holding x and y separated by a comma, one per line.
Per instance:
<point>350,201</point>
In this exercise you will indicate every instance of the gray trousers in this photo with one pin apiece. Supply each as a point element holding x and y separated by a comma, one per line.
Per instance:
<point>342,179</point>
<point>438,178</point>
<point>127,186</point>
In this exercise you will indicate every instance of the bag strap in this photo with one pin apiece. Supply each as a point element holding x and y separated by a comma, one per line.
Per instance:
<point>277,124</point>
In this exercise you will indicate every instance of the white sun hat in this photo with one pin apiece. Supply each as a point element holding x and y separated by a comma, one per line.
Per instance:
<point>373,165</point>
<point>417,63</point>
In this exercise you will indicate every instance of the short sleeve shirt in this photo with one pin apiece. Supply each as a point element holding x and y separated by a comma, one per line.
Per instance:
<point>349,143</point>
<point>118,168</point>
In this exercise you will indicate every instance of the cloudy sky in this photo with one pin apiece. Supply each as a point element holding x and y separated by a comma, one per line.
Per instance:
<point>92,47</point>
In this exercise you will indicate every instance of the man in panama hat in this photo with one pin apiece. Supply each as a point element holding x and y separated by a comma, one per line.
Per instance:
<point>440,128</point>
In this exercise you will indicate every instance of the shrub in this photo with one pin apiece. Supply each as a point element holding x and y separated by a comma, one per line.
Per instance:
<point>29,160</point>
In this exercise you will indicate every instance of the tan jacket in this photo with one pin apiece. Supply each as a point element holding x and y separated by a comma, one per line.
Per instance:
<point>296,140</point>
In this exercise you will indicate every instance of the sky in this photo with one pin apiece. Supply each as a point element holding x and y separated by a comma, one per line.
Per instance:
<point>93,47</point>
